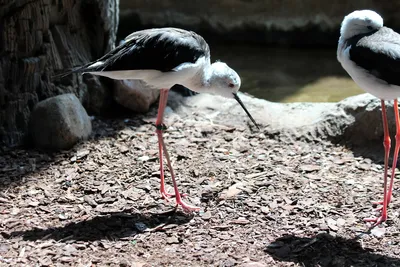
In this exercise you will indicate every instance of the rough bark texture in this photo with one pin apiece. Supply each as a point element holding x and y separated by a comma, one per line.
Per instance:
<point>40,38</point>
<point>259,21</point>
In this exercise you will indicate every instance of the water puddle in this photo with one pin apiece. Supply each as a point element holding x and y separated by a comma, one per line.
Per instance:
<point>288,74</point>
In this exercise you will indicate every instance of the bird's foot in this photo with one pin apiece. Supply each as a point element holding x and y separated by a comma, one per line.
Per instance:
<point>185,206</point>
<point>380,203</point>
<point>378,220</point>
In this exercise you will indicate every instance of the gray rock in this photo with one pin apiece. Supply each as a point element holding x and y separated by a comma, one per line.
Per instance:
<point>356,120</point>
<point>135,95</point>
<point>59,122</point>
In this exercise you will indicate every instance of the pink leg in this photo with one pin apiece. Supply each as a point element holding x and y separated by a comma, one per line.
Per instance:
<point>396,149</point>
<point>395,156</point>
<point>386,144</point>
<point>161,108</point>
<point>161,144</point>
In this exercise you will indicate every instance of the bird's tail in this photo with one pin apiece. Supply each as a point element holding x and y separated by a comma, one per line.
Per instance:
<point>97,65</point>
<point>66,73</point>
<point>80,69</point>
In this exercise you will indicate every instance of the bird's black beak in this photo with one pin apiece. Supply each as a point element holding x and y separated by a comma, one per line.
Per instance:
<point>245,109</point>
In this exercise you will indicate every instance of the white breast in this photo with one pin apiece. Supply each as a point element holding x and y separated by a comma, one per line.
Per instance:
<point>364,79</point>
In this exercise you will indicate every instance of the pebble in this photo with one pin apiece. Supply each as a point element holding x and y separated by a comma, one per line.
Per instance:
<point>141,227</point>
<point>206,215</point>
<point>172,240</point>
<point>378,231</point>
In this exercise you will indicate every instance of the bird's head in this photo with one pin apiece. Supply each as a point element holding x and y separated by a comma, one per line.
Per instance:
<point>360,22</point>
<point>224,81</point>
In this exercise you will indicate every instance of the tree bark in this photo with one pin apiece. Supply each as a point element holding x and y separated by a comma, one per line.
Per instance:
<point>39,38</point>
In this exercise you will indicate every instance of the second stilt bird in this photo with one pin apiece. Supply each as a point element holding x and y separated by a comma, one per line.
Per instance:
<point>370,53</point>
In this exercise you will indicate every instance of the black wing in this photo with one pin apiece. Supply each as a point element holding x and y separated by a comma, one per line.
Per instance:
<point>160,49</point>
<point>378,53</point>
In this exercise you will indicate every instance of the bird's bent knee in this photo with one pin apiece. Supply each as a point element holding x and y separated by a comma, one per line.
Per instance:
<point>161,127</point>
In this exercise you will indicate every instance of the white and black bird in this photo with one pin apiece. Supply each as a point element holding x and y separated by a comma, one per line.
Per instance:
<point>163,57</point>
<point>370,53</point>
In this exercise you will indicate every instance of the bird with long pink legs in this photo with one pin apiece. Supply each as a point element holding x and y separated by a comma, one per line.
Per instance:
<point>162,58</point>
<point>370,53</point>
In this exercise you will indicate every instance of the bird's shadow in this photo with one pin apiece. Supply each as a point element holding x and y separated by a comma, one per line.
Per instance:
<point>325,250</point>
<point>112,226</point>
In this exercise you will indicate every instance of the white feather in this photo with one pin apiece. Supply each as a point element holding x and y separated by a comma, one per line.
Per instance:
<point>364,79</point>
<point>188,73</point>
<point>97,64</point>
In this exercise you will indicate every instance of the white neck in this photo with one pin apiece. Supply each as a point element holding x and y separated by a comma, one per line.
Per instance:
<point>200,81</point>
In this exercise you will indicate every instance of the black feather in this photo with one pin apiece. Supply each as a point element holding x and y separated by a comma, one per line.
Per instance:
<point>160,49</point>
<point>378,52</point>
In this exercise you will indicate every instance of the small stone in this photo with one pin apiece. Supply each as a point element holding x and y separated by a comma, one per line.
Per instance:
<point>82,153</point>
<point>340,222</point>
<point>206,215</point>
<point>332,224</point>
<point>378,232</point>
<point>241,220</point>
<point>310,168</point>
<point>34,203</point>
<point>63,216</point>
<point>89,200</point>
<point>172,240</point>
<point>364,167</point>
<point>14,211</point>
<point>143,158</point>
<point>123,149</point>
<point>69,250</point>
<point>232,191</point>
<point>141,227</point>
<point>66,259</point>
<point>265,210</point>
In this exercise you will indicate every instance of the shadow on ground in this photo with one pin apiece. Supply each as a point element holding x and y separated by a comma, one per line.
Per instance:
<point>111,226</point>
<point>325,250</point>
<point>373,150</point>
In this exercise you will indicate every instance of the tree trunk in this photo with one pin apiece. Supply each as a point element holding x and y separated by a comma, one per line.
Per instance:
<point>39,38</point>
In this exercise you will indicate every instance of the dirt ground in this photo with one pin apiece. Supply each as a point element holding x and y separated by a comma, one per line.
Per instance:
<point>263,202</point>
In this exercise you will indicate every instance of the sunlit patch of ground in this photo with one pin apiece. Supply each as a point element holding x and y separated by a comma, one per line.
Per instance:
<point>325,89</point>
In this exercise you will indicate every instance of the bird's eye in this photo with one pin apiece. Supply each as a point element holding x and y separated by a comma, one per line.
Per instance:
<point>231,85</point>
<point>370,27</point>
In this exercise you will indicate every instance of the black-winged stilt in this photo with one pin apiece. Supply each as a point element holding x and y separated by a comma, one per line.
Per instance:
<point>370,53</point>
<point>164,57</point>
